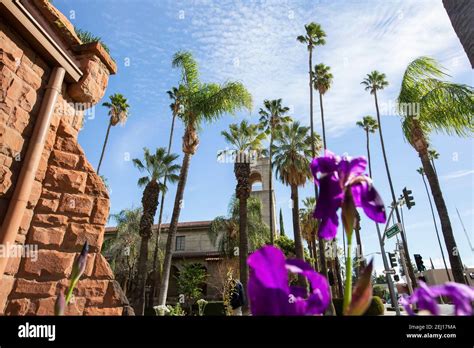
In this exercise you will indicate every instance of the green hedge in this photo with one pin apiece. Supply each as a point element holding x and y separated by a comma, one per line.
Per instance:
<point>376,306</point>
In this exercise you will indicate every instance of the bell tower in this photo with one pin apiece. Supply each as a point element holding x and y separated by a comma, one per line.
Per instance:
<point>260,181</point>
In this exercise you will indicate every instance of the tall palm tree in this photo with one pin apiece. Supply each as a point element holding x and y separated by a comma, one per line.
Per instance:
<point>322,82</point>
<point>118,114</point>
<point>224,231</point>
<point>246,141</point>
<point>201,102</point>
<point>309,227</point>
<point>376,81</point>
<point>369,125</point>
<point>422,173</point>
<point>272,118</point>
<point>315,36</point>
<point>176,108</point>
<point>292,150</point>
<point>443,107</point>
<point>282,225</point>
<point>156,166</point>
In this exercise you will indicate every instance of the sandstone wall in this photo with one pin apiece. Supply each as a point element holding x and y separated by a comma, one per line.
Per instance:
<point>69,203</point>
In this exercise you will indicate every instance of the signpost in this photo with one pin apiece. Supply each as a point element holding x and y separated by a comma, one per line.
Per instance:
<point>394,230</point>
<point>389,271</point>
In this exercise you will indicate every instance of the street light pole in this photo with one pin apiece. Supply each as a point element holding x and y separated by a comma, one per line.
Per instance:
<point>388,276</point>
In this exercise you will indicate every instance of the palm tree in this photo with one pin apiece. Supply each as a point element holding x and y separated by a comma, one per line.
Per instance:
<point>156,166</point>
<point>442,107</point>
<point>122,250</point>
<point>369,125</point>
<point>292,159</point>
<point>374,82</point>
<point>176,109</point>
<point>309,227</point>
<point>314,36</point>
<point>200,102</point>
<point>246,142</point>
<point>434,155</point>
<point>118,114</point>
<point>224,230</point>
<point>322,82</point>
<point>272,118</point>
<point>422,173</point>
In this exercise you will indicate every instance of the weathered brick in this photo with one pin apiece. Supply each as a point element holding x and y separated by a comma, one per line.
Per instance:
<point>76,306</point>
<point>18,307</point>
<point>100,213</point>
<point>32,289</point>
<point>102,268</point>
<point>64,159</point>
<point>45,306</point>
<point>25,222</point>
<point>35,193</point>
<point>11,140</point>
<point>20,121</point>
<point>49,220</point>
<point>29,76</point>
<point>46,236</point>
<point>46,205</point>
<point>50,264</point>
<point>6,286</point>
<point>5,179</point>
<point>103,311</point>
<point>65,180</point>
<point>76,204</point>
<point>91,288</point>
<point>77,234</point>
<point>28,97</point>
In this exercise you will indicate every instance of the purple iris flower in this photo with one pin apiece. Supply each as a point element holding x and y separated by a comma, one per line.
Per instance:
<point>270,293</point>
<point>341,180</point>
<point>425,298</point>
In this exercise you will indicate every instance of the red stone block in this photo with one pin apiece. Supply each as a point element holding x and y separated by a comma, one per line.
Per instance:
<point>76,204</point>
<point>50,264</point>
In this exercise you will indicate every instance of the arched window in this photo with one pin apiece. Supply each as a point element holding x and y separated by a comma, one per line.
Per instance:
<point>256,181</point>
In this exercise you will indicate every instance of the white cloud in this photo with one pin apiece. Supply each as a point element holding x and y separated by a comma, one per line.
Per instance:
<point>458,174</point>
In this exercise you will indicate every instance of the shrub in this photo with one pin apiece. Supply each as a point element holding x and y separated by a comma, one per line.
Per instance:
<point>213,308</point>
<point>376,307</point>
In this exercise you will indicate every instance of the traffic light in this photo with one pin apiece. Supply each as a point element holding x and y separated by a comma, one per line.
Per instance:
<point>409,200</point>
<point>393,259</point>
<point>402,271</point>
<point>419,263</point>
<point>396,277</point>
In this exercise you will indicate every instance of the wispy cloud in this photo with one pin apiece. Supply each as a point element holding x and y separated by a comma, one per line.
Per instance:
<point>458,174</point>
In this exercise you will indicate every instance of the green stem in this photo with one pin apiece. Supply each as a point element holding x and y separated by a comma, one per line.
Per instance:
<point>70,290</point>
<point>348,286</point>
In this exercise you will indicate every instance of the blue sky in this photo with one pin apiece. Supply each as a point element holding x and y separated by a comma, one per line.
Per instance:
<point>254,42</point>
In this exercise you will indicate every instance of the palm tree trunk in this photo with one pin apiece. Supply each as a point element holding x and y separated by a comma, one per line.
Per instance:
<point>453,251</point>
<point>270,186</point>
<point>299,251</point>
<point>103,146</point>
<point>158,231</point>
<point>411,271</point>
<point>242,192</point>
<point>315,252</point>
<point>172,229</point>
<point>141,277</point>
<point>436,226</point>
<point>368,152</point>
<point>322,119</point>
<point>360,253</point>
<point>150,204</point>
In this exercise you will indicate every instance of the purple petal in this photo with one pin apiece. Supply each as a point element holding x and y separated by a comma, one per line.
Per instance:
<point>268,288</point>
<point>324,165</point>
<point>329,202</point>
<point>351,167</point>
<point>366,196</point>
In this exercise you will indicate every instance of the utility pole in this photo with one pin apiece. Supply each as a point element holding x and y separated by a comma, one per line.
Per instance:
<point>465,232</point>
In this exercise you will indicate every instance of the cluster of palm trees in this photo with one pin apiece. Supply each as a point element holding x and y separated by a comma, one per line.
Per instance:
<point>443,107</point>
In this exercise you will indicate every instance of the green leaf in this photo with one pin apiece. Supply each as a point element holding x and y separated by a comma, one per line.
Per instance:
<point>362,294</point>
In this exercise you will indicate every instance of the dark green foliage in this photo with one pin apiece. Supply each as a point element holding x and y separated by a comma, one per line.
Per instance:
<point>87,37</point>
<point>213,308</point>
<point>376,307</point>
